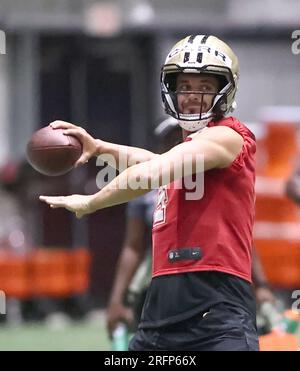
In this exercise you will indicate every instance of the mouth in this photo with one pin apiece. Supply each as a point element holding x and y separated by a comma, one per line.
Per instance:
<point>195,109</point>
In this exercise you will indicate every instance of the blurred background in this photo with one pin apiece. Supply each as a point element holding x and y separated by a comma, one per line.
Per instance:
<point>97,64</point>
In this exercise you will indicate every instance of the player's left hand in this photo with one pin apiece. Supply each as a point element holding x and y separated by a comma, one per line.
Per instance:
<point>78,204</point>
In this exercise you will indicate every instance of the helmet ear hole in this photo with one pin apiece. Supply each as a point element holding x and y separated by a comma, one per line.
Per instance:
<point>223,104</point>
<point>222,82</point>
<point>221,107</point>
<point>171,81</point>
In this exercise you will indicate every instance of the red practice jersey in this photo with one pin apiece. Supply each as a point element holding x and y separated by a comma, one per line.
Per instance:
<point>213,232</point>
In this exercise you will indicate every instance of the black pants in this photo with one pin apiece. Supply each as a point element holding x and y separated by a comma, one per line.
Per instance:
<point>222,328</point>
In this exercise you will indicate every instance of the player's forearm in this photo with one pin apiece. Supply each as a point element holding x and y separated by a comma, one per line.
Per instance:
<point>142,178</point>
<point>131,183</point>
<point>121,157</point>
<point>127,266</point>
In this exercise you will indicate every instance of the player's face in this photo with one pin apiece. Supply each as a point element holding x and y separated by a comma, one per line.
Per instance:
<point>195,92</point>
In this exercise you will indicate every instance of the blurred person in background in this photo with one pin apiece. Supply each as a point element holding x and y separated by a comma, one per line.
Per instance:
<point>12,227</point>
<point>15,239</point>
<point>263,292</point>
<point>133,274</point>
<point>19,232</point>
<point>266,298</point>
<point>18,188</point>
<point>201,295</point>
<point>292,188</point>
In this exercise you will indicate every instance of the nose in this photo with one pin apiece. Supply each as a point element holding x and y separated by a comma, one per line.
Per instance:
<point>194,97</point>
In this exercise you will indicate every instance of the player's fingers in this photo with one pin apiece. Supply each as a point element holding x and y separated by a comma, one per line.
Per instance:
<point>53,201</point>
<point>44,199</point>
<point>83,159</point>
<point>49,198</point>
<point>76,132</point>
<point>62,125</point>
<point>55,206</point>
<point>79,215</point>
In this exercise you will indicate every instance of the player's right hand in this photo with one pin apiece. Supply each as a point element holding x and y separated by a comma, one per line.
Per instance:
<point>115,314</point>
<point>264,294</point>
<point>89,144</point>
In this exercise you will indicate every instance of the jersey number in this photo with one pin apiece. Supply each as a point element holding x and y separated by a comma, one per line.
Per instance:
<point>160,211</point>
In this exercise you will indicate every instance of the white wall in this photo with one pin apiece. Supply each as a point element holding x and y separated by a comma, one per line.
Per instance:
<point>269,75</point>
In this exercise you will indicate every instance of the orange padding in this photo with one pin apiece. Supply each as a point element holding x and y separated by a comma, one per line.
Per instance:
<point>280,260</point>
<point>278,341</point>
<point>280,146</point>
<point>273,208</point>
<point>55,272</point>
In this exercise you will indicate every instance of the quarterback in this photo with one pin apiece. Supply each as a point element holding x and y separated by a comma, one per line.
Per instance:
<point>200,296</point>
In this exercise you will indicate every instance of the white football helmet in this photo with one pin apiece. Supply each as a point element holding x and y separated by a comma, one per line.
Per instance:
<point>200,54</point>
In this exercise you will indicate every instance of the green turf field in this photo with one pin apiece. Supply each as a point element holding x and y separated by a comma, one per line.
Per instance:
<point>76,336</point>
<point>40,337</point>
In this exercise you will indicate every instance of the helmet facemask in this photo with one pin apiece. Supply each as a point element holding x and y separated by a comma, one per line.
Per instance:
<point>195,121</point>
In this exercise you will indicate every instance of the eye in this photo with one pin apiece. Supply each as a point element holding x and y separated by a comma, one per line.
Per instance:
<point>184,87</point>
<point>207,88</point>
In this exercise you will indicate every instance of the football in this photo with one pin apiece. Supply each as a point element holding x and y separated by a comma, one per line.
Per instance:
<point>52,153</point>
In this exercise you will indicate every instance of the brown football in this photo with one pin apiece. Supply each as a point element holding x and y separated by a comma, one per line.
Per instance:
<point>51,152</point>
